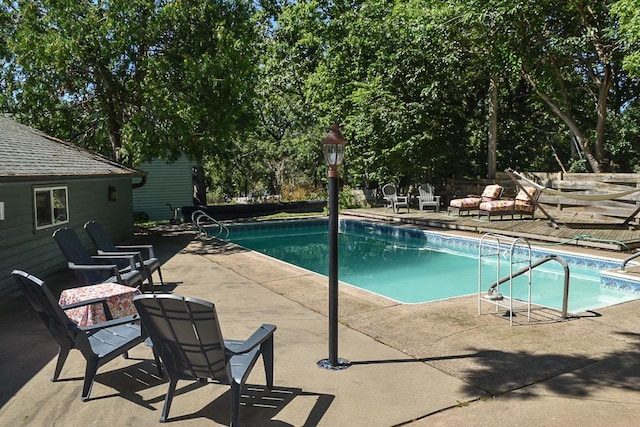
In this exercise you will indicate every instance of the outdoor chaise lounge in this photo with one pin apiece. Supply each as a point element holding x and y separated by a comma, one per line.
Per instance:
<point>472,202</point>
<point>98,268</point>
<point>99,343</point>
<point>393,200</point>
<point>427,197</point>
<point>146,260</point>
<point>186,334</point>
<point>523,204</point>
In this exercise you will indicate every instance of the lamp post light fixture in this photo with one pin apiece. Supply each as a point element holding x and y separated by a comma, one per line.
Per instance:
<point>333,147</point>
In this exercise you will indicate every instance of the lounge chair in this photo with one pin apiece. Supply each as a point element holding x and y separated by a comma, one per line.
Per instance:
<point>186,334</point>
<point>522,204</point>
<point>99,343</point>
<point>390,194</point>
<point>472,202</point>
<point>147,263</point>
<point>98,268</point>
<point>426,197</point>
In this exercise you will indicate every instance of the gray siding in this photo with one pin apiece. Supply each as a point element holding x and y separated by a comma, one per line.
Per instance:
<point>34,251</point>
<point>166,183</point>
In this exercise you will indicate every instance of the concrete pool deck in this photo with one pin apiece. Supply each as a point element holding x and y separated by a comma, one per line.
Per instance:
<point>428,364</point>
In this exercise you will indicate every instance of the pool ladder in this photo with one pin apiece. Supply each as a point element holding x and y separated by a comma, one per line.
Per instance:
<point>491,245</point>
<point>204,222</point>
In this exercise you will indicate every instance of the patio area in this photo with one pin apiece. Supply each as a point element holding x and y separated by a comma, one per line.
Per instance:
<point>431,364</point>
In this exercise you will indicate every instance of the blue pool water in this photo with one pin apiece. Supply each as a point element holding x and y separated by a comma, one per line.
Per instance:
<point>415,266</point>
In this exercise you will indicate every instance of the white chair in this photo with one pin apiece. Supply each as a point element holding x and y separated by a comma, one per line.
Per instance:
<point>393,200</point>
<point>426,197</point>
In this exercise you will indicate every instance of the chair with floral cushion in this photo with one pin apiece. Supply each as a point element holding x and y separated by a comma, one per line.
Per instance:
<point>472,202</point>
<point>522,204</point>
<point>525,203</point>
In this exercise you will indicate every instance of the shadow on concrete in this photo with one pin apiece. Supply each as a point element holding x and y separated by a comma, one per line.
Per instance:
<point>559,373</point>
<point>260,406</point>
<point>410,360</point>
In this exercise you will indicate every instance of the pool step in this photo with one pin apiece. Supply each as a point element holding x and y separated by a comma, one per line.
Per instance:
<point>625,280</point>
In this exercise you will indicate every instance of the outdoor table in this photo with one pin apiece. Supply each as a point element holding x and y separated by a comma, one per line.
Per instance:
<point>119,299</point>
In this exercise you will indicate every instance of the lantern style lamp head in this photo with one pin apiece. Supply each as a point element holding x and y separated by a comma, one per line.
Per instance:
<point>333,146</point>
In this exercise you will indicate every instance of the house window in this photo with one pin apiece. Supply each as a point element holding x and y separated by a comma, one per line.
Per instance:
<point>51,206</point>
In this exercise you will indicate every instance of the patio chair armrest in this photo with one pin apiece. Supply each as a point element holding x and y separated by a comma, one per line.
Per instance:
<point>262,334</point>
<point>102,267</point>
<point>102,300</point>
<point>137,248</point>
<point>137,257</point>
<point>117,255</point>
<point>114,322</point>
<point>110,268</point>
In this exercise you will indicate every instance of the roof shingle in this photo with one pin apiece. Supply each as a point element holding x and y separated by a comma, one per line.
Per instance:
<point>26,152</point>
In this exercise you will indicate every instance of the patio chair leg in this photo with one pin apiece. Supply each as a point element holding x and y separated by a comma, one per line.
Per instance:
<point>160,274</point>
<point>62,357</point>
<point>266,348</point>
<point>236,393</point>
<point>89,376</point>
<point>168,398</point>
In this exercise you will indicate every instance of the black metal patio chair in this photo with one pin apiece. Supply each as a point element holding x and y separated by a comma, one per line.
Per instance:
<point>186,335</point>
<point>148,262</point>
<point>99,343</point>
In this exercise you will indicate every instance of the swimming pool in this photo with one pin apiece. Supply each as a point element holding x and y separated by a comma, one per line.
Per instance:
<point>409,265</point>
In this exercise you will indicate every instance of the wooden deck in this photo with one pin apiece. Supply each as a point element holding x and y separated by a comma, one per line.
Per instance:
<point>576,230</point>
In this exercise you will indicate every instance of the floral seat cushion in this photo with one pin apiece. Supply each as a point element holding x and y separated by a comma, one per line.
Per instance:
<point>497,206</point>
<point>491,192</point>
<point>467,202</point>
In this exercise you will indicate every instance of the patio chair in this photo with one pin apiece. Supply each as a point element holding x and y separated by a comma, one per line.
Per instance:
<point>147,263</point>
<point>186,334</point>
<point>99,343</point>
<point>393,200</point>
<point>526,201</point>
<point>472,202</point>
<point>97,268</point>
<point>522,204</point>
<point>427,197</point>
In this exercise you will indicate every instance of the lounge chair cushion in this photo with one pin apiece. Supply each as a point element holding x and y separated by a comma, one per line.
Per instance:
<point>491,192</point>
<point>523,196</point>
<point>497,206</point>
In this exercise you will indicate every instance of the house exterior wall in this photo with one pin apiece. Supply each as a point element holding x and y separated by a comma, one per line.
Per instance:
<point>166,183</point>
<point>34,251</point>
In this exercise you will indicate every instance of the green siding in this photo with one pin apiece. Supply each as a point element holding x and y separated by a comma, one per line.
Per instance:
<point>166,183</point>
<point>34,251</point>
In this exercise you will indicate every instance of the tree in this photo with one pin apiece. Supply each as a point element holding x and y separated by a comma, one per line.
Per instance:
<point>153,78</point>
<point>628,15</point>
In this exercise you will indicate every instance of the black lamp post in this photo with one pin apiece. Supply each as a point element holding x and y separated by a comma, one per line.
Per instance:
<point>333,147</point>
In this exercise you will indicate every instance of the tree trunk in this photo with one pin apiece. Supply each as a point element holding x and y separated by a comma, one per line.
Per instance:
<point>603,97</point>
<point>493,128</point>
<point>583,141</point>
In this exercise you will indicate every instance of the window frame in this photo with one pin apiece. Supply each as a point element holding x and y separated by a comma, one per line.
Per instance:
<point>50,190</point>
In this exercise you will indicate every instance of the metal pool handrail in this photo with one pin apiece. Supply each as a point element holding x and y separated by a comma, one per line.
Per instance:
<point>627,259</point>
<point>565,297</point>
<point>199,216</point>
